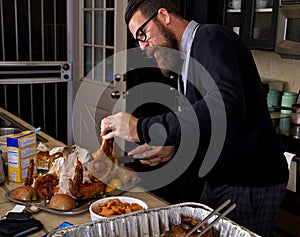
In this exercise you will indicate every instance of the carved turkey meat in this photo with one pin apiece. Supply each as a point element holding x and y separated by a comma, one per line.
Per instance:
<point>104,161</point>
<point>76,172</point>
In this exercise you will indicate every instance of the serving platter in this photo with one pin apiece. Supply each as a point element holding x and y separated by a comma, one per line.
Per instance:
<point>83,206</point>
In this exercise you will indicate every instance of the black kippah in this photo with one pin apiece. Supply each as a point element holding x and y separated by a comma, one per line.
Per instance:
<point>131,8</point>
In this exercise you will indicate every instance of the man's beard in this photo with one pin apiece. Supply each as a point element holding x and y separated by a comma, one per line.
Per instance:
<point>166,55</point>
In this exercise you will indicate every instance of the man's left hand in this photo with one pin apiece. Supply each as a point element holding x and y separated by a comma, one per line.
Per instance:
<point>157,154</point>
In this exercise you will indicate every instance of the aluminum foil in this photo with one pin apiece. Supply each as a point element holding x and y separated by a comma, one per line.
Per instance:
<point>152,223</point>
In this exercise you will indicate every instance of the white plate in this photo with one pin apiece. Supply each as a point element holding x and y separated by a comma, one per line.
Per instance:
<point>123,199</point>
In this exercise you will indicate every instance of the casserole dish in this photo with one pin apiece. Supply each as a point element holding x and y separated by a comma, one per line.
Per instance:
<point>152,223</point>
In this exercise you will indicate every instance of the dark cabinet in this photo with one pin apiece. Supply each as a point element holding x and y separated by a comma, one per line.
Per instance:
<point>254,20</point>
<point>204,11</point>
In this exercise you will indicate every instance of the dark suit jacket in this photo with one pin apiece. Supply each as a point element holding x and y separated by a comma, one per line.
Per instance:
<point>233,122</point>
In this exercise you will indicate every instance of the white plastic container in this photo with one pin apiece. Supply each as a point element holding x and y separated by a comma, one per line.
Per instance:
<point>123,199</point>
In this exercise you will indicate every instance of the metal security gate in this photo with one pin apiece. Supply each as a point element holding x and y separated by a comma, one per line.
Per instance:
<point>36,63</point>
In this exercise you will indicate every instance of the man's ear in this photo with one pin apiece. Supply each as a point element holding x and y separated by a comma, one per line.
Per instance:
<point>164,16</point>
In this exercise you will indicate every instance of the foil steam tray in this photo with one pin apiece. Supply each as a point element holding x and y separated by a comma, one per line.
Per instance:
<point>152,223</point>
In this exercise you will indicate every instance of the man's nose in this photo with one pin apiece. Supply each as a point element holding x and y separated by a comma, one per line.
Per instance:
<point>143,45</point>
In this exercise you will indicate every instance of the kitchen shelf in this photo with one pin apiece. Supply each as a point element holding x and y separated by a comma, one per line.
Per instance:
<point>264,10</point>
<point>256,10</point>
<point>234,10</point>
<point>257,26</point>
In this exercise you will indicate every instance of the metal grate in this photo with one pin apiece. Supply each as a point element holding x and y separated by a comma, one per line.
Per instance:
<point>35,63</point>
<point>40,104</point>
<point>33,30</point>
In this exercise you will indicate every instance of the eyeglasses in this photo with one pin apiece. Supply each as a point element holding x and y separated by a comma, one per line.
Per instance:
<point>140,35</point>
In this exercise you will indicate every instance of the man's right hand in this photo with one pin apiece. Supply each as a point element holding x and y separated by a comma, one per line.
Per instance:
<point>122,125</point>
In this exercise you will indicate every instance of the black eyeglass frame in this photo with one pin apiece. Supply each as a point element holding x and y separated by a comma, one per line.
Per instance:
<point>141,30</point>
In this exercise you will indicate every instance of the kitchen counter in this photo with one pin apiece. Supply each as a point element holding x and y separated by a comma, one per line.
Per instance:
<point>51,142</point>
<point>50,220</point>
<point>289,214</point>
<point>278,115</point>
<point>288,132</point>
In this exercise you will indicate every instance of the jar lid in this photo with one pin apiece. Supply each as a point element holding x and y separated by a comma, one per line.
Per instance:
<point>289,93</point>
<point>274,91</point>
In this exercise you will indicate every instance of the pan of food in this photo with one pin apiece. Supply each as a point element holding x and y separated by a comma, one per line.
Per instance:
<point>157,222</point>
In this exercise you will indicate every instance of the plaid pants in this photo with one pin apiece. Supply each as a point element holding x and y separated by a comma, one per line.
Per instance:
<point>256,207</point>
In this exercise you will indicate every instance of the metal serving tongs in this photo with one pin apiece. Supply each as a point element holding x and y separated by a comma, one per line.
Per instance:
<point>196,228</point>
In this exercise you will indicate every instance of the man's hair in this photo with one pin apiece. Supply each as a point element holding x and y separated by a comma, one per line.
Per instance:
<point>148,7</point>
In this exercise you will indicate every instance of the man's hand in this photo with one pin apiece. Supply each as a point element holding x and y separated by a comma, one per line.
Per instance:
<point>121,125</point>
<point>158,154</point>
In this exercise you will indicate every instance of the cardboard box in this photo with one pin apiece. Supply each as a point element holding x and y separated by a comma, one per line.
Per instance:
<point>19,174</point>
<point>21,148</point>
<point>21,140</point>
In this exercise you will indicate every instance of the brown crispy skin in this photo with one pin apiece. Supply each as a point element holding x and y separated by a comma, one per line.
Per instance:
<point>84,190</point>
<point>45,185</point>
<point>74,184</point>
<point>178,231</point>
<point>107,147</point>
<point>53,158</point>
<point>103,161</point>
<point>89,190</point>
<point>29,178</point>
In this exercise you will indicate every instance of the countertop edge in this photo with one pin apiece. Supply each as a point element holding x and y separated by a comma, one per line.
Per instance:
<point>51,142</point>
